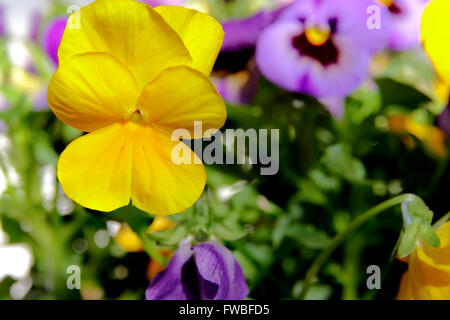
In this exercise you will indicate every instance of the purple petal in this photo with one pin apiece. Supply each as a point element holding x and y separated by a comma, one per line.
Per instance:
<point>216,265</point>
<point>336,106</point>
<point>244,33</point>
<point>334,69</point>
<point>2,22</point>
<point>40,100</point>
<point>236,76</point>
<point>52,37</point>
<point>36,20</point>
<point>444,120</point>
<point>284,65</point>
<point>4,104</point>
<point>352,17</point>
<point>3,126</point>
<point>405,23</point>
<point>238,88</point>
<point>168,285</point>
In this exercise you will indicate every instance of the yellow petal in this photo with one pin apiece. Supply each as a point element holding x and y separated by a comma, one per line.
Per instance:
<point>91,91</point>
<point>439,258</point>
<point>405,291</point>
<point>160,224</point>
<point>95,170</point>
<point>131,31</point>
<point>428,275</point>
<point>201,34</point>
<point>436,36</point>
<point>178,97</point>
<point>159,186</point>
<point>128,240</point>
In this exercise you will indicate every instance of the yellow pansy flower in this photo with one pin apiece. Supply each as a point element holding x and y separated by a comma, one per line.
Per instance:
<point>428,274</point>
<point>436,36</point>
<point>130,75</point>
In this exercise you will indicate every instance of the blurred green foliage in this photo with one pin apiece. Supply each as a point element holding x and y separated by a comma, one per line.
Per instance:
<point>331,170</point>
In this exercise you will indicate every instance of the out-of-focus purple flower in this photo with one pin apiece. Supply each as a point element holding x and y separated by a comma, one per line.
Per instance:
<point>243,33</point>
<point>52,37</point>
<point>4,105</point>
<point>207,271</point>
<point>2,22</point>
<point>321,47</point>
<point>405,17</point>
<point>235,73</point>
<point>36,20</point>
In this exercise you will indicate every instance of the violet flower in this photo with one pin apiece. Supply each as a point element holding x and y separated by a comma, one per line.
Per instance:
<point>321,47</point>
<point>207,271</point>
<point>2,22</point>
<point>4,105</point>
<point>235,73</point>
<point>405,20</point>
<point>36,20</point>
<point>52,37</point>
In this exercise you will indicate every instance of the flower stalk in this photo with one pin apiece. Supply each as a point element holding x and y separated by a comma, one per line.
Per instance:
<point>340,237</point>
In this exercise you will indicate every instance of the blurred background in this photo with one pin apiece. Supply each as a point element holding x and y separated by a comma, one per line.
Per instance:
<point>338,157</point>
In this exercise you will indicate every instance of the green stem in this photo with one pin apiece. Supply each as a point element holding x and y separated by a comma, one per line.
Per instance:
<point>340,237</point>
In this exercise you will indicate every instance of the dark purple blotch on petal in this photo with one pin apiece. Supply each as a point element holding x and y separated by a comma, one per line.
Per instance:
<point>326,53</point>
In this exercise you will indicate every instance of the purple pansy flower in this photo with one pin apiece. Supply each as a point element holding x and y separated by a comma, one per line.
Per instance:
<point>405,18</point>
<point>321,47</point>
<point>235,73</point>
<point>4,105</point>
<point>52,37</point>
<point>207,271</point>
<point>36,20</point>
<point>2,22</point>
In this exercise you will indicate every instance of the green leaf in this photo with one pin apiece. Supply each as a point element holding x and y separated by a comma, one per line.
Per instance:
<point>308,236</point>
<point>397,93</point>
<point>430,236</point>
<point>228,234</point>
<point>416,208</point>
<point>410,238</point>
<point>339,160</point>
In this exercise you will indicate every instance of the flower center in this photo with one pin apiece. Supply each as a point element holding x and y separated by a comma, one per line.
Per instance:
<point>387,3</point>
<point>318,44</point>
<point>136,116</point>
<point>318,36</point>
<point>390,4</point>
